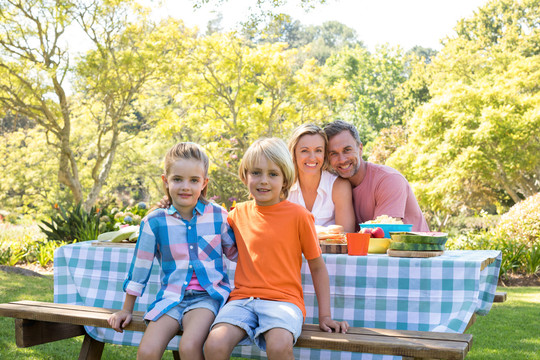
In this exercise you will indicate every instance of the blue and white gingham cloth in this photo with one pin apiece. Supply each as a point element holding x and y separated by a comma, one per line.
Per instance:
<point>430,294</point>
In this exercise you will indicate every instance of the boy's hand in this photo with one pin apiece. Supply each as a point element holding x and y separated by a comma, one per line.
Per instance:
<point>119,320</point>
<point>164,203</point>
<point>327,324</point>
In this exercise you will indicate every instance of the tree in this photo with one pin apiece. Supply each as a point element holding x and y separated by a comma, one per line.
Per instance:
<point>35,70</point>
<point>235,92</point>
<point>476,142</point>
<point>373,81</point>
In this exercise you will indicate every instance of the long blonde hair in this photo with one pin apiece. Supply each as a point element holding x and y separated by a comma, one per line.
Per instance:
<point>186,151</point>
<point>275,150</point>
<point>306,129</point>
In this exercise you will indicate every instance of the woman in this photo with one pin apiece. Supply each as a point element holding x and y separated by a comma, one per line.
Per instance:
<point>327,196</point>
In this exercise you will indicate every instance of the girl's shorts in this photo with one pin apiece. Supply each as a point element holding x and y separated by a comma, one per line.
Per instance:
<point>256,316</point>
<point>193,299</point>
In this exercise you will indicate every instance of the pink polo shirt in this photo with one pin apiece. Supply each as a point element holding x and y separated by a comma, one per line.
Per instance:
<point>384,191</point>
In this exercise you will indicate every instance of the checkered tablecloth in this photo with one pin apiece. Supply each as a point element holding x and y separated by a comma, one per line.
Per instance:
<point>375,291</point>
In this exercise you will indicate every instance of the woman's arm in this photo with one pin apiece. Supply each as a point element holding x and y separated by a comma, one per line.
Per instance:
<point>319,274</point>
<point>342,197</point>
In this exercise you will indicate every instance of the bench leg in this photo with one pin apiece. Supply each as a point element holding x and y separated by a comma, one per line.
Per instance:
<point>34,332</point>
<point>91,349</point>
<point>176,355</point>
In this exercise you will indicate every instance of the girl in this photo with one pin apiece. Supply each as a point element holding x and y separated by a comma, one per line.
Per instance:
<point>327,196</point>
<point>188,239</point>
<point>266,306</point>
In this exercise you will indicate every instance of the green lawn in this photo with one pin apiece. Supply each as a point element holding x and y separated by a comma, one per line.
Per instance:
<point>510,331</point>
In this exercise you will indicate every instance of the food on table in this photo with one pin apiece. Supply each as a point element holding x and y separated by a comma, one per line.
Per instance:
<point>384,219</point>
<point>332,234</point>
<point>396,245</point>
<point>418,241</point>
<point>375,232</point>
<point>378,245</point>
<point>436,238</point>
<point>124,234</point>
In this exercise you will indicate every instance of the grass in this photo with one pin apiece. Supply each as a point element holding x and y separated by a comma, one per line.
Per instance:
<point>510,331</point>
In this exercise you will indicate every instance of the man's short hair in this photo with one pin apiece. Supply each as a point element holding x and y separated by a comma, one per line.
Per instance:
<point>337,126</point>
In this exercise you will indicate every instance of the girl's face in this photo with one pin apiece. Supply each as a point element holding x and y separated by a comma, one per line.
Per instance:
<point>309,153</point>
<point>185,182</point>
<point>265,182</point>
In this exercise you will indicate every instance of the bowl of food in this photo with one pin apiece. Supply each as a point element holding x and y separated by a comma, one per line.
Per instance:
<point>387,228</point>
<point>378,245</point>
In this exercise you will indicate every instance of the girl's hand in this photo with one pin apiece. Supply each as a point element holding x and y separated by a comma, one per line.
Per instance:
<point>119,320</point>
<point>327,324</point>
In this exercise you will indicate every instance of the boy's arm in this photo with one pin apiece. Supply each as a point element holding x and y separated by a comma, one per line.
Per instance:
<point>321,283</point>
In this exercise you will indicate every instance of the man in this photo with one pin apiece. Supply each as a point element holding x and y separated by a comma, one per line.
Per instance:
<point>377,189</point>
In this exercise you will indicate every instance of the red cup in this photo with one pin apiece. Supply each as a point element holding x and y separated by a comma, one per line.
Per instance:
<point>357,244</point>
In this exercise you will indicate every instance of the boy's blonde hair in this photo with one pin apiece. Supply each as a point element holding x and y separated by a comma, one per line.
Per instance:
<point>275,150</point>
<point>186,151</point>
<point>306,129</point>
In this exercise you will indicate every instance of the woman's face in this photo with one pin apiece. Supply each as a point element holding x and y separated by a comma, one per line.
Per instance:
<point>309,153</point>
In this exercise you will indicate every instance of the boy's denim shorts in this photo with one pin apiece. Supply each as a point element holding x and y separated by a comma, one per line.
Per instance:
<point>256,316</point>
<point>193,299</point>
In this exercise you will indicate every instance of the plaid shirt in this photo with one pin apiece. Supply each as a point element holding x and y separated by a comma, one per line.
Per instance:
<point>182,247</point>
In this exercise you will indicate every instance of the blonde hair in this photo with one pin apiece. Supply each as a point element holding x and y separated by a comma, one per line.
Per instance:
<point>306,129</point>
<point>275,150</point>
<point>186,151</point>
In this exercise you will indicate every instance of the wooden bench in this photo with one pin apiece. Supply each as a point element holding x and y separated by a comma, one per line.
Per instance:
<point>42,322</point>
<point>499,297</point>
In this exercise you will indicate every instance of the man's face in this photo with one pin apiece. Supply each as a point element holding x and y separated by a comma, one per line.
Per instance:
<point>344,154</point>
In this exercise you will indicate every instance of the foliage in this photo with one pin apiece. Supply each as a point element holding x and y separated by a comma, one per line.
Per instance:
<point>232,92</point>
<point>522,222</point>
<point>75,224</point>
<point>462,148</point>
<point>386,143</point>
<point>83,131</point>
<point>17,243</point>
<point>373,82</point>
<point>113,219</point>
<point>29,171</point>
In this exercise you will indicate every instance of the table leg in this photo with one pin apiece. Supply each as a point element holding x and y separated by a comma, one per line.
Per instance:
<point>91,349</point>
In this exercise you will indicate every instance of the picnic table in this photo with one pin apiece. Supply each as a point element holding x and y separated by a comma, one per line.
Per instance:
<point>376,291</point>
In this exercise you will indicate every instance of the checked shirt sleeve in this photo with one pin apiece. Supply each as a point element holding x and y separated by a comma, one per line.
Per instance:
<point>228,241</point>
<point>143,257</point>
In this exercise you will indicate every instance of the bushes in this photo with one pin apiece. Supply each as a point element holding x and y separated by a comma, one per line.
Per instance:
<point>522,222</point>
<point>79,225</point>
<point>517,235</point>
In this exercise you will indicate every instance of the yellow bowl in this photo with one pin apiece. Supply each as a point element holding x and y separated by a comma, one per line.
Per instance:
<point>378,245</point>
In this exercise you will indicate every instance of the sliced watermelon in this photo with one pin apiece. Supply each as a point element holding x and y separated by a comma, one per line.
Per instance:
<point>396,245</point>
<point>435,238</point>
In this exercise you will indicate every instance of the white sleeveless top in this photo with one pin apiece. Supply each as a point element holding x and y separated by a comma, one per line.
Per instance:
<point>323,207</point>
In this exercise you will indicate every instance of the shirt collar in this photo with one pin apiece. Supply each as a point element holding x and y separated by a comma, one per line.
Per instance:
<point>199,208</point>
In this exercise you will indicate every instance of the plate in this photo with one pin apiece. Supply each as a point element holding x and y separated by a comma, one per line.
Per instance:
<point>108,243</point>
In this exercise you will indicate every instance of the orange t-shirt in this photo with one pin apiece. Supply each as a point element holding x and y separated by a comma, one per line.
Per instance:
<point>271,241</point>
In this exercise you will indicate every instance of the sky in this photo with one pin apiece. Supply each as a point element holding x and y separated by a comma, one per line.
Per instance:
<point>397,22</point>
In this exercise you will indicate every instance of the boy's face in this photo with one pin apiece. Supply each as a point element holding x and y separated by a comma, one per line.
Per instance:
<point>265,182</point>
<point>185,183</point>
